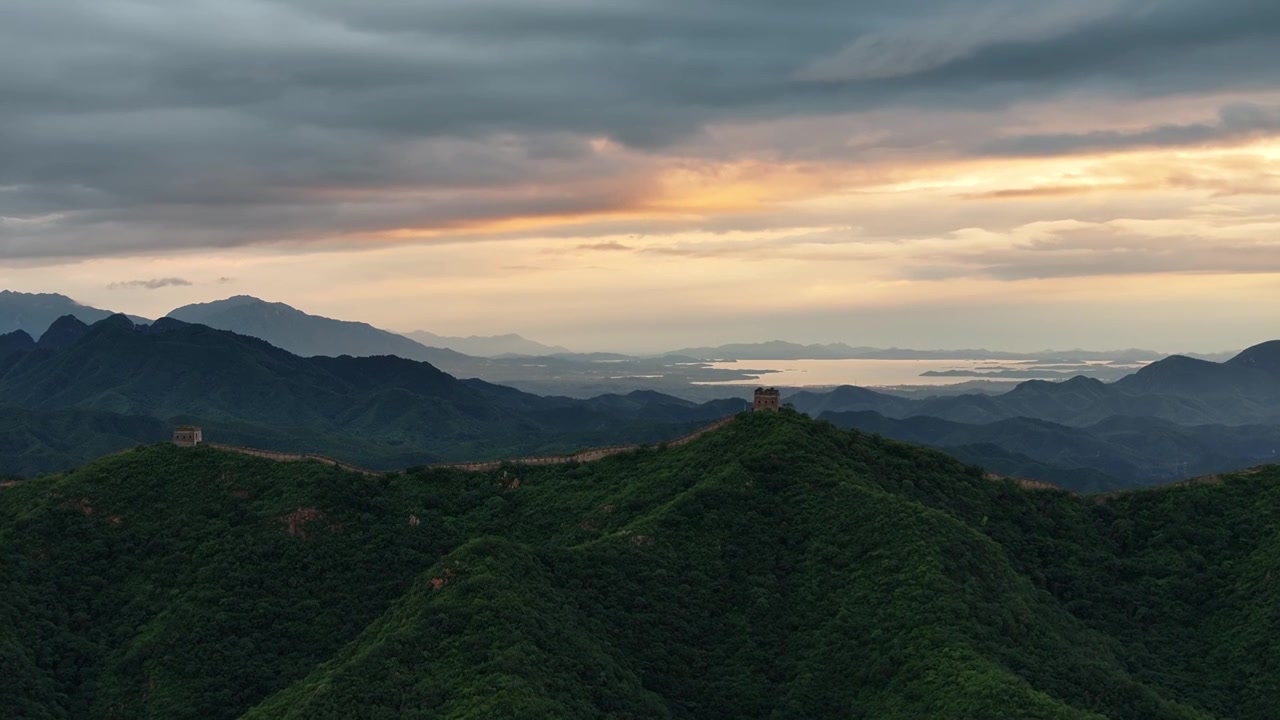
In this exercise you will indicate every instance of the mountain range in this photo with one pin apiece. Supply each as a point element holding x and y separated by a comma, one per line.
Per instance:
<point>781,350</point>
<point>1175,417</point>
<point>309,335</point>
<point>33,313</point>
<point>1242,390</point>
<point>382,411</point>
<point>777,568</point>
<point>283,326</point>
<point>1114,453</point>
<point>487,345</point>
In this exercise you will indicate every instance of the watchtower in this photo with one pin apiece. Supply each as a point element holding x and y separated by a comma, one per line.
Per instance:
<point>767,400</point>
<point>187,436</point>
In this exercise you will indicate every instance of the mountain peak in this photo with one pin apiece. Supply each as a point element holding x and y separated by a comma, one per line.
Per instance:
<point>166,324</point>
<point>63,332</point>
<point>1265,356</point>
<point>117,320</point>
<point>35,313</point>
<point>16,341</point>
<point>194,311</point>
<point>308,335</point>
<point>1079,385</point>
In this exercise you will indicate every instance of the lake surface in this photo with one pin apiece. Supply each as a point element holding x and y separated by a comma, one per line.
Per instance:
<point>888,373</point>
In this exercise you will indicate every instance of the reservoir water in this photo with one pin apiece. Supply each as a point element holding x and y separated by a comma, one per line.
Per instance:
<point>888,373</point>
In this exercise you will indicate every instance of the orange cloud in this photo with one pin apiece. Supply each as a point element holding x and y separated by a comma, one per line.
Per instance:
<point>680,194</point>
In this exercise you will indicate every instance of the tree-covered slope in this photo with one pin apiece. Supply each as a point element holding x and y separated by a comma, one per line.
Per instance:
<point>777,568</point>
<point>37,442</point>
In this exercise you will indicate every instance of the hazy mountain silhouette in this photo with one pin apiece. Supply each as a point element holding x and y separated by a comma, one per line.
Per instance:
<point>486,346</point>
<point>1243,390</point>
<point>33,313</point>
<point>310,335</point>
<point>782,350</point>
<point>1121,451</point>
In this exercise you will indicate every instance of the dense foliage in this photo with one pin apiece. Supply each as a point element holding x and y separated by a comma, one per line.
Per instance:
<point>778,568</point>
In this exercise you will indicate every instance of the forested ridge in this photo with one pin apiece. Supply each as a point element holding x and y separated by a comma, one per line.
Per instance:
<point>84,391</point>
<point>777,568</point>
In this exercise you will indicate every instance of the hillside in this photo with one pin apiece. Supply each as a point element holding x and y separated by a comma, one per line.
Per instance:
<point>777,568</point>
<point>381,412</point>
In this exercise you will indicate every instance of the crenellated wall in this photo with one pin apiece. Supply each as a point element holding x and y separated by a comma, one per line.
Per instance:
<point>583,456</point>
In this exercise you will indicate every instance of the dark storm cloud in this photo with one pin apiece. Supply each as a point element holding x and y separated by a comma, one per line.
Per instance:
<point>1240,121</point>
<point>154,284</point>
<point>135,125</point>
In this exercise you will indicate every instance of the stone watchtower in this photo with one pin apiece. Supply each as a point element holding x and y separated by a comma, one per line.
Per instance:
<point>187,436</point>
<point>767,399</point>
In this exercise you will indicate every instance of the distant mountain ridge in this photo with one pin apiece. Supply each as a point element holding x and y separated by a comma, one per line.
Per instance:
<point>33,313</point>
<point>782,350</point>
<point>1186,391</point>
<point>487,346</point>
<point>308,335</point>
<point>1119,451</point>
<point>380,412</point>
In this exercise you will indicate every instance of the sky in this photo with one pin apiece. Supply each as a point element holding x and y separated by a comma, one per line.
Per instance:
<point>639,175</point>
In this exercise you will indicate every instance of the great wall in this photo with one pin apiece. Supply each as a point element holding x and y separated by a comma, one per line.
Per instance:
<point>582,456</point>
<point>766,399</point>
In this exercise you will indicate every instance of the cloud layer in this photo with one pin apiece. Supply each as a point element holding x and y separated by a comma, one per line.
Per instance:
<point>132,126</point>
<point>564,164</point>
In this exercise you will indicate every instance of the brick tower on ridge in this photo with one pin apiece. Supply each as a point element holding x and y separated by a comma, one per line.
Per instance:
<point>767,400</point>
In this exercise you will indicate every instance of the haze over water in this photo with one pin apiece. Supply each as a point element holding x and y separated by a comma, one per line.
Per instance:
<point>884,373</point>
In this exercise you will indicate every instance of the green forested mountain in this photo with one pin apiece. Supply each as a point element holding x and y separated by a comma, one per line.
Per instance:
<point>383,411</point>
<point>777,568</point>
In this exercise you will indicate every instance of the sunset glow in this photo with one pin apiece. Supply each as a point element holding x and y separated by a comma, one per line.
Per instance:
<point>701,193</point>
